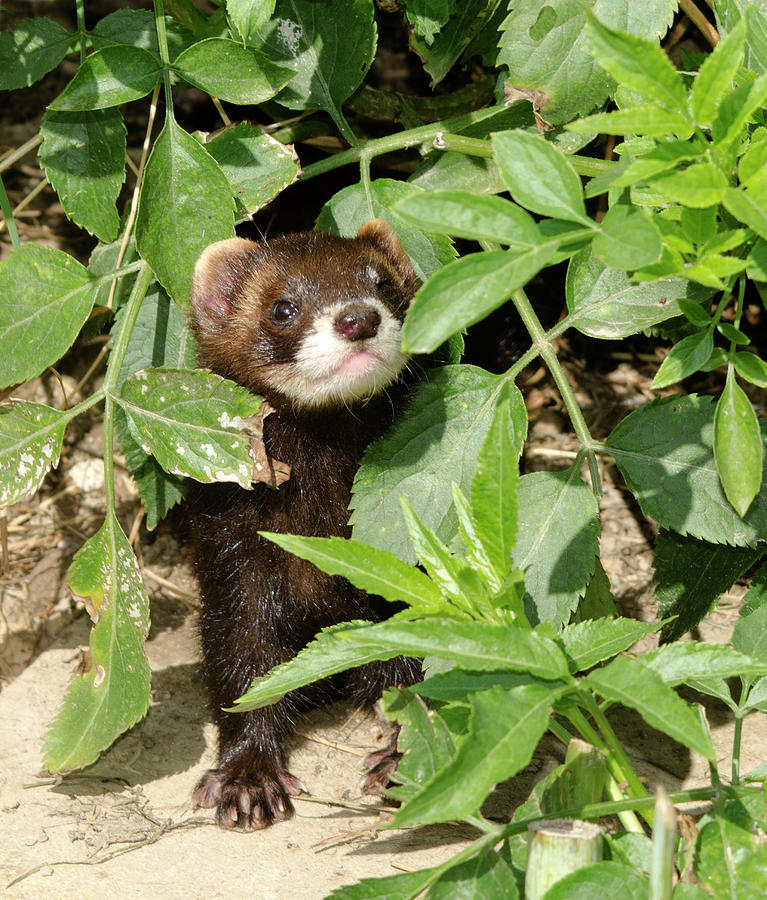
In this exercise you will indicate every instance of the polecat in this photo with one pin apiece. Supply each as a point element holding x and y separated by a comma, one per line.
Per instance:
<point>311,322</point>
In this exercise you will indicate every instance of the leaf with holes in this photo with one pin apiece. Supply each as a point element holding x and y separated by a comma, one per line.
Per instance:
<point>30,443</point>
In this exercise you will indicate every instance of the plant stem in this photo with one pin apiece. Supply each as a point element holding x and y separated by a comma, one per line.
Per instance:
<point>162,43</point>
<point>10,222</point>
<point>663,843</point>
<point>117,355</point>
<point>736,739</point>
<point>542,345</point>
<point>81,29</point>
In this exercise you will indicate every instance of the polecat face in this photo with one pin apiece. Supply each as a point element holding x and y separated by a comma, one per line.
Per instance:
<point>310,317</point>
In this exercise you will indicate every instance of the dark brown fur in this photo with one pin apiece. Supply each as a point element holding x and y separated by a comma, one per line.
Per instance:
<point>261,605</point>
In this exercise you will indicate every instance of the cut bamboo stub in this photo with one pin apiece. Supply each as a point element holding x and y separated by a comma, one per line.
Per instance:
<point>557,847</point>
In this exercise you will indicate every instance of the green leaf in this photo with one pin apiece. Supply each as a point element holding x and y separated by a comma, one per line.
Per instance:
<point>587,643</point>
<point>487,875</point>
<point>248,15</point>
<point>684,358</point>
<point>428,16</point>
<point>737,109</point>
<point>329,61</point>
<point>602,879</point>
<point>699,225</point>
<point>604,303</point>
<point>637,64</point>
<point>435,444</point>
<point>191,422</point>
<point>651,121</point>
<point>495,486</point>
<point>750,637</point>
<point>404,886</point>
<point>691,575</point>
<point>40,285</point>
<point>83,154</point>
<point>731,333</point>
<point>700,185</point>
<point>738,445</point>
<point>628,238</point>
<point>751,368</point>
<point>136,28</point>
<point>442,53</point>
<point>31,50</point>
<point>686,661</point>
<point>752,164</point>
<point>472,216</point>
<point>715,76</point>
<point>505,727</point>
<point>465,292</point>
<point>662,157</point>
<point>557,542</point>
<point>30,443</point>
<point>665,452</point>
<point>110,77</point>
<point>474,645</point>
<point>257,166</point>
<point>114,693</point>
<point>544,47</point>
<point>185,205</point>
<point>367,568</point>
<point>747,207</point>
<point>540,177</point>
<point>656,702</point>
<point>756,595</point>
<point>228,70</point>
<point>731,861</point>
<point>351,207</point>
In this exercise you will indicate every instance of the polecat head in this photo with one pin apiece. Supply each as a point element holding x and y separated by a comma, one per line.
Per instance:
<point>312,318</point>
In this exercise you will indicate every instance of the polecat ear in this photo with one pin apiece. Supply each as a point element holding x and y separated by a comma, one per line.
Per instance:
<point>218,279</point>
<point>382,236</point>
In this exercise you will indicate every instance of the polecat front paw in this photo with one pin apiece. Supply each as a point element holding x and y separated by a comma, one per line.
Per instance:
<point>248,796</point>
<point>380,765</point>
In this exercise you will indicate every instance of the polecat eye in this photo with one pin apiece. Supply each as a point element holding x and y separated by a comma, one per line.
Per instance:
<point>386,290</point>
<point>283,312</point>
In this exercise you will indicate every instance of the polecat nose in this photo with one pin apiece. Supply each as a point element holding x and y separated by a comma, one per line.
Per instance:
<point>358,324</point>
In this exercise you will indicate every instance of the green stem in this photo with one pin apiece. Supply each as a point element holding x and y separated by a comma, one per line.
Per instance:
<point>117,355</point>
<point>365,179</point>
<point>162,43</point>
<point>399,141</point>
<point>736,739</point>
<point>541,342</point>
<point>560,731</point>
<point>343,126</point>
<point>10,222</point>
<point>82,32</point>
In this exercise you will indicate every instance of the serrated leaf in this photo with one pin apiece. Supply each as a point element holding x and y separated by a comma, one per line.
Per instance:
<point>329,61</point>
<point>404,886</point>
<point>715,76</point>
<point>628,238</point>
<point>487,875</point>
<point>114,693</point>
<point>40,285</point>
<point>351,207</point>
<point>191,422</point>
<point>604,303</point>
<point>656,702</point>
<point>747,207</point>
<point>257,166</point>
<point>539,177</point>
<point>443,52</point>
<point>31,50</point>
<point>685,357</point>
<point>367,568</point>
<point>736,110</point>
<point>471,216</point>
<point>738,445</point>
<point>686,661</point>
<point>545,47</point>
<point>756,595</point>
<point>186,204</point>
<point>472,644</point>
<point>465,292</point>
<point>665,452</point>
<point>436,443</point>
<point>700,185</point>
<point>587,643</point>
<point>428,16</point>
<point>557,542</point>
<point>650,121</point>
<point>691,575</point>
<point>505,727</point>
<point>663,156</point>
<point>110,77</point>
<point>752,164</point>
<point>136,28</point>
<point>30,443</point>
<point>234,73</point>
<point>83,154</point>
<point>637,64</point>
<point>495,486</point>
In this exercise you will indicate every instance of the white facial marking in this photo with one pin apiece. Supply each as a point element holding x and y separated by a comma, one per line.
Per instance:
<point>330,369</point>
